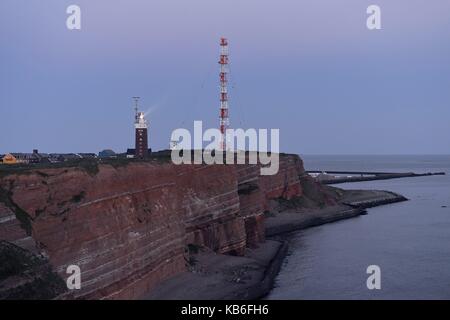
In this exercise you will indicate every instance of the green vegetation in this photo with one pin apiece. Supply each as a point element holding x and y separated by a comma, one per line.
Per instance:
<point>40,281</point>
<point>192,261</point>
<point>21,215</point>
<point>13,260</point>
<point>191,250</point>
<point>247,188</point>
<point>42,174</point>
<point>268,214</point>
<point>78,197</point>
<point>313,192</point>
<point>295,203</point>
<point>89,165</point>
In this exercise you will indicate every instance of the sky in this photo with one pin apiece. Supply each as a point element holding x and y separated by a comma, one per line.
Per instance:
<point>310,68</point>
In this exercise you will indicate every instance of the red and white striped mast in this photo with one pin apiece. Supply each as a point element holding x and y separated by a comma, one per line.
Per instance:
<point>224,120</point>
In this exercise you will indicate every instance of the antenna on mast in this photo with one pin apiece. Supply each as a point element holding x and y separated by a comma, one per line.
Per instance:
<point>136,102</point>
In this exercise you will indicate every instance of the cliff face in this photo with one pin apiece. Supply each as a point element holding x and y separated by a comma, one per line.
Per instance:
<point>128,227</point>
<point>256,192</point>
<point>120,226</point>
<point>210,207</point>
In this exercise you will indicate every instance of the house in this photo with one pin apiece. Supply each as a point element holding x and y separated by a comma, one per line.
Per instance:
<point>37,157</point>
<point>87,155</point>
<point>22,157</point>
<point>55,157</point>
<point>61,157</point>
<point>9,159</point>
<point>107,153</point>
<point>131,152</point>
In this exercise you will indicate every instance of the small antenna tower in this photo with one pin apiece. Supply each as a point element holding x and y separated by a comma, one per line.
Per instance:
<point>136,103</point>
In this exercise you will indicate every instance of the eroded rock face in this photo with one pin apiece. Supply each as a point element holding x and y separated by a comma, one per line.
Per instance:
<point>256,192</point>
<point>127,227</point>
<point>24,275</point>
<point>210,206</point>
<point>251,199</point>
<point>120,226</point>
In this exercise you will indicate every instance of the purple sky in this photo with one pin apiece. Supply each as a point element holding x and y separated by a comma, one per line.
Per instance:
<point>310,68</point>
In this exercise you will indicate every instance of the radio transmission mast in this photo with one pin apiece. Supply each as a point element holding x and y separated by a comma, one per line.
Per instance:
<point>224,120</point>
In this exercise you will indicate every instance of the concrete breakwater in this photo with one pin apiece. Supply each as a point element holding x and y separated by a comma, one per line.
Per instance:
<point>334,177</point>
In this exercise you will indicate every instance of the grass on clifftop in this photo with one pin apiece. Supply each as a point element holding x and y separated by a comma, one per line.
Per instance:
<point>88,165</point>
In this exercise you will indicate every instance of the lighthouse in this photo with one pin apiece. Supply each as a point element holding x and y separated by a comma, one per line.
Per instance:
<point>141,126</point>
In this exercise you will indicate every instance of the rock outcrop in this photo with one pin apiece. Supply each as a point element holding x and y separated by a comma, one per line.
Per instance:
<point>128,225</point>
<point>23,275</point>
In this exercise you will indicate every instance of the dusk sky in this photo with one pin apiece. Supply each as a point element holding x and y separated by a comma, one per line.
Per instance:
<point>310,68</point>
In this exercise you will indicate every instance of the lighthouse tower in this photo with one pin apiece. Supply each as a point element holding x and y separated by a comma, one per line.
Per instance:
<point>140,125</point>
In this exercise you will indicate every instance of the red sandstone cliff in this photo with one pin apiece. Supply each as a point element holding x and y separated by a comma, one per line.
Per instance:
<point>127,227</point>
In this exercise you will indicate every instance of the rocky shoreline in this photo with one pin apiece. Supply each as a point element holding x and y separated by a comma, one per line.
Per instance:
<point>217,276</point>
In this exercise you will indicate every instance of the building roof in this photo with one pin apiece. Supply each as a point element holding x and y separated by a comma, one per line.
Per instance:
<point>28,155</point>
<point>106,153</point>
<point>9,156</point>
<point>87,155</point>
<point>22,155</point>
<point>133,151</point>
<point>66,156</point>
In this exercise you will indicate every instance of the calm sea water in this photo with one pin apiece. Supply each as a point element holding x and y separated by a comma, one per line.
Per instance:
<point>409,241</point>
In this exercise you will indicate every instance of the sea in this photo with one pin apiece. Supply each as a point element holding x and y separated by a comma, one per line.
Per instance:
<point>407,242</point>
